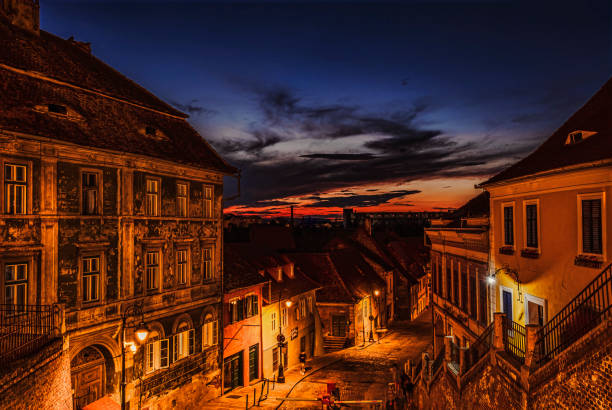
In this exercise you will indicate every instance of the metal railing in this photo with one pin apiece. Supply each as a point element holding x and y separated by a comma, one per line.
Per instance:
<point>480,347</point>
<point>514,340</point>
<point>24,329</point>
<point>578,317</point>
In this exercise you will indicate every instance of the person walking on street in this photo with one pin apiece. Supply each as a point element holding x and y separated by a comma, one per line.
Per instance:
<point>303,363</point>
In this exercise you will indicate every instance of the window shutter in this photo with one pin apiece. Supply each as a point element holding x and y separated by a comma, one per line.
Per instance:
<point>591,226</point>
<point>191,341</point>
<point>215,336</point>
<point>255,305</point>
<point>163,354</point>
<point>175,348</point>
<point>150,357</point>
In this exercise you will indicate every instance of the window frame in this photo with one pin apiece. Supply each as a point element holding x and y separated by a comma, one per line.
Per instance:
<point>101,277</point>
<point>535,202</point>
<point>183,342</point>
<point>206,212</point>
<point>186,198</point>
<point>511,205</point>
<point>99,184</point>
<point>538,301</point>
<point>158,358</point>
<point>187,263</point>
<point>206,277</point>
<point>28,182</point>
<point>601,195</point>
<point>32,273</point>
<point>157,196</point>
<point>157,288</point>
<point>210,332</point>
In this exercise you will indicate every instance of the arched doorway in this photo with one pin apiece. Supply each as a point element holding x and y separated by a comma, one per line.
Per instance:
<point>88,376</point>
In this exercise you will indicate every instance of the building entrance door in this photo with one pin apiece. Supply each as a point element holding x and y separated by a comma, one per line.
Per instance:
<point>507,304</point>
<point>87,376</point>
<point>232,372</point>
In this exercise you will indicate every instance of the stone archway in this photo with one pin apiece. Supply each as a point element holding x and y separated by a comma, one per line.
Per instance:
<point>89,370</point>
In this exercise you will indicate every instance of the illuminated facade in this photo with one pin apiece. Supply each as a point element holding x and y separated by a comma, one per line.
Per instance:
<point>104,209</point>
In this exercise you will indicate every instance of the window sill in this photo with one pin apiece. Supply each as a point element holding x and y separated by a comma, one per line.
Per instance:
<point>530,253</point>
<point>506,250</point>
<point>588,261</point>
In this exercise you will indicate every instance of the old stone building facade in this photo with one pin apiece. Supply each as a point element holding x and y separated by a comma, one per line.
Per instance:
<point>111,206</point>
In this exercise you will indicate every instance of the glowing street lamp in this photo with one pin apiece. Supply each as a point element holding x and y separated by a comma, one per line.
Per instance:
<point>141,334</point>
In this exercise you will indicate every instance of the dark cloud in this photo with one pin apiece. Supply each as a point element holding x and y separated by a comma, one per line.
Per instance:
<point>191,108</point>
<point>402,150</point>
<point>341,157</point>
<point>357,200</point>
<point>275,202</point>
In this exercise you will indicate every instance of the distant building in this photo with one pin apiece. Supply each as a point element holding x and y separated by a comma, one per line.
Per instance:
<point>110,201</point>
<point>459,271</point>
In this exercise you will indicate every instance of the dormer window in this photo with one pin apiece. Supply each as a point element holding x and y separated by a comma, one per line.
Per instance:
<point>151,131</point>
<point>577,136</point>
<point>57,109</point>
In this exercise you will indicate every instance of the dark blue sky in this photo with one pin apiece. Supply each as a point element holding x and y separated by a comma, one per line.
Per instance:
<point>427,98</point>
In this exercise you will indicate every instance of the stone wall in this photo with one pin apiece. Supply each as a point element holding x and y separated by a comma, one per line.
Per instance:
<point>41,381</point>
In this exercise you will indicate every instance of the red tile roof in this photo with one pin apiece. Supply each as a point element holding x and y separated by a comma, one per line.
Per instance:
<point>319,267</point>
<point>554,153</point>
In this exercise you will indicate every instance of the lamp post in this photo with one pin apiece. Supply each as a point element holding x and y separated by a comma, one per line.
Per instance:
<point>141,334</point>
<point>377,299</point>
<point>281,338</point>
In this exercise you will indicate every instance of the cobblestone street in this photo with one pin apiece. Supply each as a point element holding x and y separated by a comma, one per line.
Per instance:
<point>360,372</point>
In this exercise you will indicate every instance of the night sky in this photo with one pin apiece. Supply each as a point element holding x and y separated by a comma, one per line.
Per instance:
<point>395,106</point>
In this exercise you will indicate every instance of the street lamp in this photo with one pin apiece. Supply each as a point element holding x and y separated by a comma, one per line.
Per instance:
<point>377,298</point>
<point>281,338</point>
<point>142,333</point>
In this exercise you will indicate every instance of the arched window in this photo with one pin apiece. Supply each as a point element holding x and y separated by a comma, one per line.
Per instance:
<point>183,341</point>
<point>210,329</point>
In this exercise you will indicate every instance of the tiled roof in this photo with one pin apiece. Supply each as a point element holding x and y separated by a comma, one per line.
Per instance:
<point>319,267</point>
<point>356,274</point>
<point>272,236</point>
<point>475,207</point>
<point>554,153</point>
<point>239,268</point>
<point>98,121</point>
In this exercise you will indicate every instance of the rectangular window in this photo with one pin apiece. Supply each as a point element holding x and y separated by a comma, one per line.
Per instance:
<point>591,226</point>
<point>236,307</point>
<point>310,305</point>
<point>448,279</point>
<point>508,225</point>
<point>16,285</point>
<point>284,317</point>
<point>531,218</point>
<point>464,289</point>
<point>152,197</point>
<point>15,184</point>
<point>456,284</point>
<point>182,266</point>
<point>273,321</point>
<point>183,344</point>
<point>152,270</point>
<point>182,199</point>
<point>209,334</point>
<point>156,354</point>
<point>302,308</point>
<point>91,279</point>
<point>208,201</point>
<point>90,187</point>
<point>482,301</point>
<point>473,307</point>
<point>207,254</point>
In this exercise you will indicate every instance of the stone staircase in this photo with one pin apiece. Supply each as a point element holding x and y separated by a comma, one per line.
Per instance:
<point>333,343</point>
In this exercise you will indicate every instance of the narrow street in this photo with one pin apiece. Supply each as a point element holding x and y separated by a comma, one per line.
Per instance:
<point>360,372</point>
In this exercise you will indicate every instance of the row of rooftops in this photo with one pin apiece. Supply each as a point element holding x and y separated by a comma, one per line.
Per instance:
<point>344,269</point>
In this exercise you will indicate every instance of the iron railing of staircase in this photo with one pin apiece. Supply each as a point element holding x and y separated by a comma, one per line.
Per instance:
<point>480,347</point>
<point>582,314</point>
<point>514,340</point>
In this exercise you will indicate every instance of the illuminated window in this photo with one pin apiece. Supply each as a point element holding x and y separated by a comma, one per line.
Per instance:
<point>182,199</point>
<point>273,321</point>
<point>284,317</point>
<point>152,197</point>
<point>183,343</point>
<point>152,270</point>
<point>156,352</point>
<point>57,109</point>
<point>90,187</point>
<point>208,201</point>
<point>209,332</point>
<point>15,183</point>
<point>91,279</point>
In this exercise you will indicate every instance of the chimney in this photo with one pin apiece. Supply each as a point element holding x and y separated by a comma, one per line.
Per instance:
<point>22,13</point>
<point>86,47</point>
